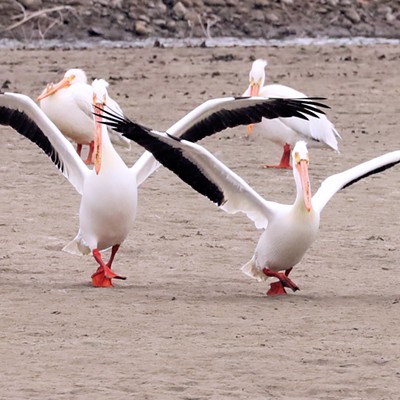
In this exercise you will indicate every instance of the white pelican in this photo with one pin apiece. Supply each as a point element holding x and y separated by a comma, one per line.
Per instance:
<point>317,132</point>
<point>68,104</point>
<point>289,230</point>
<point>109,191</point>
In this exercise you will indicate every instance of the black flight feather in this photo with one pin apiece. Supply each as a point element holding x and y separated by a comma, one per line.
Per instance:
<point>226,118</point>
<point>173,157</point>
<point>168,155</point>
<point>272,108</point>
<point>24,125</point>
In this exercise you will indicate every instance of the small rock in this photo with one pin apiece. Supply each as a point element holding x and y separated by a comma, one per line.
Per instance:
<point>160,22</point>
<point>352,15</point>
<point>6,84</point>
<point>179,10</point>
<point>271,17</point>
<point>389,16</point>
<point>142,29</point>
<point>161,7</point>
<point>258,15</point>
<point>144,17</point>
<point>95,31</point>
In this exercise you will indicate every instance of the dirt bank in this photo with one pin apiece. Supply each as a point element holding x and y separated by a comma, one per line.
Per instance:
<point>128,20</point>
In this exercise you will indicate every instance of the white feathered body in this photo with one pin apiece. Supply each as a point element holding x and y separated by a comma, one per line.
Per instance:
<point>108,206</point>
<point>288,235</point>
<point>71,110</point>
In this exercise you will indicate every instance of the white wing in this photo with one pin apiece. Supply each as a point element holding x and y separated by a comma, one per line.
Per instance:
<point>218,114</point>
<point>238,196</point>
<point>204,173</point>
<point>147,164</point>
<point>22,114</point>
<point>82,95</point>
<point>144,167</point>
<point>319,129</point>
<point>346,178</point>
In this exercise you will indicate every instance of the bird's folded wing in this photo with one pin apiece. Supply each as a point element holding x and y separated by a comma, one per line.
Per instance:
<point>83,97</point>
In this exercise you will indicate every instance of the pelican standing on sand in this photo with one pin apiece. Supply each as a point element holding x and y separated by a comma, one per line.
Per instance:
<point>68,104</point>
<point>109,191</point>
<point>317,132</point>
<point>288,230</point>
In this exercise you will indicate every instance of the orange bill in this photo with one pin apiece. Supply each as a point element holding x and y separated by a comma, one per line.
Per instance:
<point>51,88</point>
<point>97,152</point>
<point>302,167</point>
<point>254,91</point>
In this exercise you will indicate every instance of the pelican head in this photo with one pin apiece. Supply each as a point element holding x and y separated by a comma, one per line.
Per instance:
<point>99,100</point>
<point>300,170</point>
<point>73,75</point>
<point>257,76</point>
<point>256,82</point>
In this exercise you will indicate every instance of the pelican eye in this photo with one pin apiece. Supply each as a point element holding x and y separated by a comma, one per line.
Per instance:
<point>71,78</point>
<point>298,158</point>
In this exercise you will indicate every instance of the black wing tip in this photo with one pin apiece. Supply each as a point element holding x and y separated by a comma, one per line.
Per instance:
<point>25,126</point>
<point>373,172</point>
<point>178,139</point>
<point>310,101</point>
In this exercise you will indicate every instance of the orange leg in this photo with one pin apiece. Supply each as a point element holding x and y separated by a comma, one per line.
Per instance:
<point>79,149</point>
<point>278,288</point>
<point>90,154</point>
<point>285,160</point>
<point>102,277</point>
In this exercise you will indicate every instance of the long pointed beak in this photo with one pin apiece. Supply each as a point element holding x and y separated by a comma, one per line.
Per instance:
<point>254,91</point>
<point>98,137</point>
<point>302,167</point>
<point>52,88</point>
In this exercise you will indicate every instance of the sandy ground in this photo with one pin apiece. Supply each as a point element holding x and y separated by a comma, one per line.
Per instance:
<point>187,324</point>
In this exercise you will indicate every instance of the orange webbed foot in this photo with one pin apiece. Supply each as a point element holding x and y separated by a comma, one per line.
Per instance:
<point>276,289</point>
<point>99,279</point>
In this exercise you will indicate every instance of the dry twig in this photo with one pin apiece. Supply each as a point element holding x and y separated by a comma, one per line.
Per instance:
<point>27,17</point>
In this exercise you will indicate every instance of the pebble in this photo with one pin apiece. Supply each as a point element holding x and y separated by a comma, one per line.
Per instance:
<point>352,15</point>
<point>179,10</point>
<point>141,28</point>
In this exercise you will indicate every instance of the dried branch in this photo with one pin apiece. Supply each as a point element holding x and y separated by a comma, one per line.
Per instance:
<point>27,17</point>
